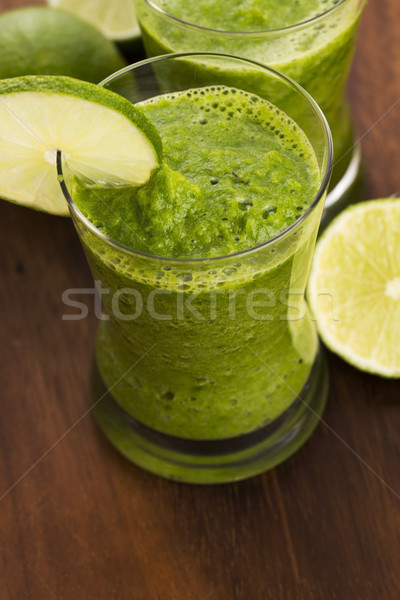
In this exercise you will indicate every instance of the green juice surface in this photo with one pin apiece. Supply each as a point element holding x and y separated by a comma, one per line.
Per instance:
<point>245,15</point>
<point>236,172</point>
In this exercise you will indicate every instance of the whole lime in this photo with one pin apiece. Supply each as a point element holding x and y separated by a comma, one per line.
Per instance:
<point>45,41</point>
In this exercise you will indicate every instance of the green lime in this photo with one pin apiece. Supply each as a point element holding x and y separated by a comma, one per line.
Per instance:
<point>354,288</point>
<point>116,19</point>
<point>103,137</point>
<point>43,41</point>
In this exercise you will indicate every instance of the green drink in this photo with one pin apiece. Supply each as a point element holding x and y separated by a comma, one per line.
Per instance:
<point>311,41</point>
<point>207,345</point>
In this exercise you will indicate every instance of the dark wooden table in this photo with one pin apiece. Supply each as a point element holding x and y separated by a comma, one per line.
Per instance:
<point>79,522</point>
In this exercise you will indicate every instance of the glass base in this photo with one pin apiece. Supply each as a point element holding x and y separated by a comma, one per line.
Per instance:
<point>348,190</point>
<point>220,461</point>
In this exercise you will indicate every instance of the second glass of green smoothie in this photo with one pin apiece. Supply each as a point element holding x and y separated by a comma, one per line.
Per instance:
<point>208,366</point>
<point>312,41</point>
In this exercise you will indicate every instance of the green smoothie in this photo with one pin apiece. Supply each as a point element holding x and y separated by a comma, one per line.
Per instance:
<point>229,351</point>
<point>316,53</point>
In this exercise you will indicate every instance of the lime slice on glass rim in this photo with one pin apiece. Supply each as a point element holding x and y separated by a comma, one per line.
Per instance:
<point>354,287</point>
<point>102,136</point>
<point>116,19</point>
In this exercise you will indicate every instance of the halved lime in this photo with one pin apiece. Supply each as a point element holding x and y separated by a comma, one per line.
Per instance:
<point>101,134</point>
<point>354,288</point>
<point>116,19</point>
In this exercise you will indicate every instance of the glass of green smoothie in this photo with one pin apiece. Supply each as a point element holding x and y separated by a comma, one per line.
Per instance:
<point>312,41</point>
<point>208,366</point>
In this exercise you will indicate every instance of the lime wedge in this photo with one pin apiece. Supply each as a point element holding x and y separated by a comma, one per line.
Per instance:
<point>354,288</point>
<point>101,134</point>
<point>116,19</point>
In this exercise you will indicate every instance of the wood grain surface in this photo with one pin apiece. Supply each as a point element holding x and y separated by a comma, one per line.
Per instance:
<point>79,522</point>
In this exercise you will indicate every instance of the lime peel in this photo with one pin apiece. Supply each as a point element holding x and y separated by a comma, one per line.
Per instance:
<point>38,40</point>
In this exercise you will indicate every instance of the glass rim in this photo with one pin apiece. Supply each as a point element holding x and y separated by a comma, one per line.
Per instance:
<point>328,143</point>
<point>287,28</point>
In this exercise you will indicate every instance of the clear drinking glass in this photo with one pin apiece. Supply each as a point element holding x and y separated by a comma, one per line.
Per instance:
<point>209,370</point>
<point>316,53</point>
